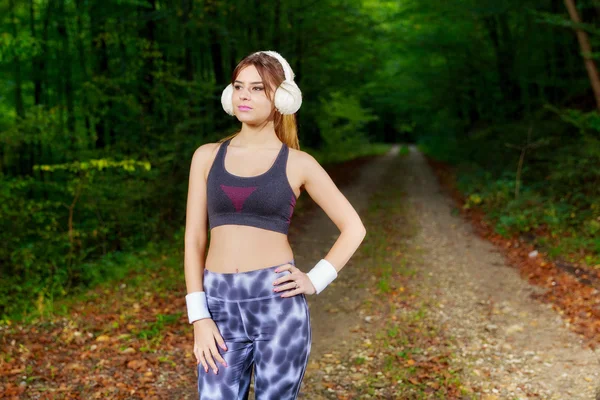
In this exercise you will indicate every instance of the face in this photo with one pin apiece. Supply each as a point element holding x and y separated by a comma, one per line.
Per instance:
<point>250,102</point>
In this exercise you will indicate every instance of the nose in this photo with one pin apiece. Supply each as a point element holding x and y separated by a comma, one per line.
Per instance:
<point>244,94</point>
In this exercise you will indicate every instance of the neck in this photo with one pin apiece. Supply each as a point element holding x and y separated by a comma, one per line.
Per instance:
<point>261,135</point>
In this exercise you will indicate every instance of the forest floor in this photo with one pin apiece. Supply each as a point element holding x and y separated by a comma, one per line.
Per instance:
<point>426,308</point>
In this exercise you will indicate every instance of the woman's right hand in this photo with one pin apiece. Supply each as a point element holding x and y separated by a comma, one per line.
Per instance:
<point>206,334</point>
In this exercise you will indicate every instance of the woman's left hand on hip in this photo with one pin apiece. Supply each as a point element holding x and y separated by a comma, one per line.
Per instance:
<point>294,283</point>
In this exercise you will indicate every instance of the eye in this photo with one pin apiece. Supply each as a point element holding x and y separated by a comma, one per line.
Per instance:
<point>237,87</point>
<point>259,88</point>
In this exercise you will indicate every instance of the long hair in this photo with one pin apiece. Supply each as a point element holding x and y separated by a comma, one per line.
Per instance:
<point>272,74</point>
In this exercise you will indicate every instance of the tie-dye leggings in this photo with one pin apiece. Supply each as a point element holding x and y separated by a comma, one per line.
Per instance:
<point>262,330</point>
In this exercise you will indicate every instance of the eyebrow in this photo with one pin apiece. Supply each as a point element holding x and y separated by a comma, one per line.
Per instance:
<point>252,83</point>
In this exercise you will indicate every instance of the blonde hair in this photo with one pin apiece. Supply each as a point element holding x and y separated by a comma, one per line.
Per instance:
<point>272,74</point>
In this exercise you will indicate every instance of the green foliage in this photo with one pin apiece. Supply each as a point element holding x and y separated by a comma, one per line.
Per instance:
<point>75,217</point>
<point>93,165</point>
<point>23,46</point>
<point>341,122</point>
<point>563,22</point>
<point>155,329</point>
<point>564,201</point>
<point>444,147</point>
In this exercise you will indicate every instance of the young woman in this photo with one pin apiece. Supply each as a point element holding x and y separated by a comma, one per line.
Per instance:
<point>247,300</point>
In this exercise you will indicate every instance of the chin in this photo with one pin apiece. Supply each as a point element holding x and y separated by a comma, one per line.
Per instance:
<point>250,120</point>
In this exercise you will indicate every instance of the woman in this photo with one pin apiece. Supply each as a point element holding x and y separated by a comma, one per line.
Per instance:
<point>247,300</point>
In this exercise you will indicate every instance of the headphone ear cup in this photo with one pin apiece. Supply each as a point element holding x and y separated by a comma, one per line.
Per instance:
<point>288,97</point>
<point>226,99</point>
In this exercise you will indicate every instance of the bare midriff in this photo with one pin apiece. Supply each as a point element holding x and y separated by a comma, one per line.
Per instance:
<point>240,248</point>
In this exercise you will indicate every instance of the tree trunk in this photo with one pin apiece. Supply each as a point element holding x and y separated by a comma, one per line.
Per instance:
<point>586,51</point>
<point>37,60</point>
<point>66,73</point>
<point>100,67</point>
<point>82,63</point>
<point>147,33</point>
<point>215,47</point>
<point>299,50</point>
<point>499,32</point>
<point>44,56</point>
<point>19,107</point>
<point>260,28</point>
<point>277,24</point>
<point>187,8</point>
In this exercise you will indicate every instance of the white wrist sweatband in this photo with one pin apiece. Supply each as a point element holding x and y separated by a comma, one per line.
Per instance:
<point>196,306</point>
<point>322,275</point>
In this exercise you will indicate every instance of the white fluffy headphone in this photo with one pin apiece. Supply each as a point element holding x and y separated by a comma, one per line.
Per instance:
<point>288,97</point>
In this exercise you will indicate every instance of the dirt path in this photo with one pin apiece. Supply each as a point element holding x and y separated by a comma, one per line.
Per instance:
<point>515,347</point>
<point>333,311</point>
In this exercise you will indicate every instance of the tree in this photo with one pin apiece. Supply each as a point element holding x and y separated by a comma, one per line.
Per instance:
<point>586,50</point>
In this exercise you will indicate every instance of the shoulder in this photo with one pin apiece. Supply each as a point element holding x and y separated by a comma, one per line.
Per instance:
<point>205,150</point>
<point>306,163</point>
<point>303,159</point>
<point>203,156</point>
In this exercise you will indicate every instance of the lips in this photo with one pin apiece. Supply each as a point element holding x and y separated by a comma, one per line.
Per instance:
<point>244,108</point>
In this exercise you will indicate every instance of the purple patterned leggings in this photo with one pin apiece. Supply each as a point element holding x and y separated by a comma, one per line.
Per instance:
<point>262,331</point>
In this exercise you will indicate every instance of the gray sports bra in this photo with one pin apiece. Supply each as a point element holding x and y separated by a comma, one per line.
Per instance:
<point>264,201</point>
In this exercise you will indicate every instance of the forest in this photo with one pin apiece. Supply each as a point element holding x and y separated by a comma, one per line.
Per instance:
<point>103,104</point>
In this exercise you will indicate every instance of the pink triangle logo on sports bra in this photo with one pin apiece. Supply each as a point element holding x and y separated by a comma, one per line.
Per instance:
<point>238,195</point>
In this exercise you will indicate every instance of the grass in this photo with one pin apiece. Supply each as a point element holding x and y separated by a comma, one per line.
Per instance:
<point>145,270</point>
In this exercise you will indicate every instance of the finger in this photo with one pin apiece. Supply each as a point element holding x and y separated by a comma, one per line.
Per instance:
<point>203,361</point>
<point>218,357</point>
<point>195,351</point>
<point>210,360</point>
<point>220,341</point>
<point>291,293</point>
<point>284,267</point>
<point>289,286</point>
<point>285,278</point>
<point>293,290</point>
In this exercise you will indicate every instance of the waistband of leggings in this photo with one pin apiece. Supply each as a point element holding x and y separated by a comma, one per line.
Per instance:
<point>241,286</point>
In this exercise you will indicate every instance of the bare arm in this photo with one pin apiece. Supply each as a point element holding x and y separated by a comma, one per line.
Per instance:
<point>196,234</point>
<point>325,193</point>
<point>206,333</point>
